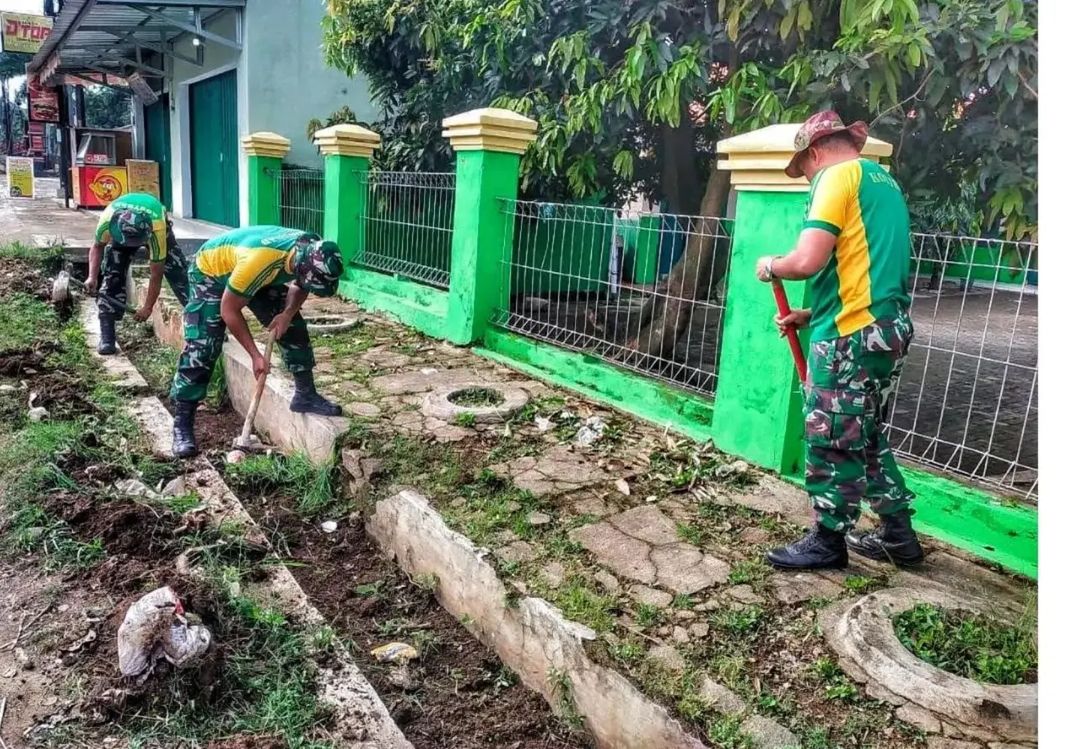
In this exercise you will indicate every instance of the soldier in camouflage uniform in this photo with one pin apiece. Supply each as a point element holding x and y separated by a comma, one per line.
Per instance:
<point>129,223</point>
<point>855,252</point>
<point>271,270</point>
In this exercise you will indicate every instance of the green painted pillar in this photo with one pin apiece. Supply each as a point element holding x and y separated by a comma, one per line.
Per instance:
<point>347,150</point>
<point>488,144</point>
<point>758,411</point>
<point>758,408</point>
<point>265,152</point>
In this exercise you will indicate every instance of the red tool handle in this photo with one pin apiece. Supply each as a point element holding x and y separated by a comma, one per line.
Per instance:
<point>792,335</point>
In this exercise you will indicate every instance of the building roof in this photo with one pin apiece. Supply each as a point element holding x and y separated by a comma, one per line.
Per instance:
<point>122,37</point>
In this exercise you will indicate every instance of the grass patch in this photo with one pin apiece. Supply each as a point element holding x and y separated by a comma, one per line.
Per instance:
<point>971,645</point>
<point>582,603</point>
<point>691,534</point>
<point>25,321</point>
<point>744,621</point>
<point>465,419</point>
<point>861,583</point>
<point>647,616</point>
<point>476,397</point>
<point>311,485</point>
<point>749,572</point>
<point>267,686</point>
<point>727,733</point>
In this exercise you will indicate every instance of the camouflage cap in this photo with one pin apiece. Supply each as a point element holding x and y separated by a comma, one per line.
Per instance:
<point>131,228</point>
<point>817,127</point>
<point>319,266</point>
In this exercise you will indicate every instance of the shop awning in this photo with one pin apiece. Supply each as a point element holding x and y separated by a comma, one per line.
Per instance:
<point>131,39</point>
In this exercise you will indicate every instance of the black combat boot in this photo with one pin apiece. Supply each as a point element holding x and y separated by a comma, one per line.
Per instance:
<point>892,541</point>
<point>107,345</point>
<point>183,431</point>
<point>306,401</point>
<point>821,548</point>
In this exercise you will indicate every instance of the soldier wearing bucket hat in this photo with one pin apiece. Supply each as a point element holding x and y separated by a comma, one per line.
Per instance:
<point>271,270</point>
<point>128,224</point>
<point>855,252</point>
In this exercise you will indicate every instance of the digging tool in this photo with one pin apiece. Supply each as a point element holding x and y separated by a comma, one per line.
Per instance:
<point>792,335</point>
<point>245,441</point>
<point>63,294</point>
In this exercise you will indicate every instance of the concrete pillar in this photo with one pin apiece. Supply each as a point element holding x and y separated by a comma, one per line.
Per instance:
<point>758,410</point>
<point>488,145</point>
<point>347,150</point>
<point>265,152</point>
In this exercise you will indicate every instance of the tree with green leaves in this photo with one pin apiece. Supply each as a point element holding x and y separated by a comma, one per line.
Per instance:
<point>107,107</point>
<point>632,95</point>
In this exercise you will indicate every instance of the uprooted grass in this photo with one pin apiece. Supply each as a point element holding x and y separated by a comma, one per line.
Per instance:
<point>265,682</point>
<point>266,685</point>
<point>294,476</point>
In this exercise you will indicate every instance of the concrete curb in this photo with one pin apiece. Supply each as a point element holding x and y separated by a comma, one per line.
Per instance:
<point>530,635</point>
<point>307,433</point>
<point>361,719</point>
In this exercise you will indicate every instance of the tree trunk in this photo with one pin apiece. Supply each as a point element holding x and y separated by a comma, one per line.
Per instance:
<point>669,309</point>
<point>679,183</point>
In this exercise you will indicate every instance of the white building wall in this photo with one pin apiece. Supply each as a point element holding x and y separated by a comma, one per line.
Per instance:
<point>289,83</point>
<point>282,83</point>
<point>217,59</point>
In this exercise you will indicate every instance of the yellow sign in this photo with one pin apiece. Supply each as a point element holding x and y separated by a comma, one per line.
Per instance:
<point>20,177</point>
<point>143,177</point>
<point>24,33</point>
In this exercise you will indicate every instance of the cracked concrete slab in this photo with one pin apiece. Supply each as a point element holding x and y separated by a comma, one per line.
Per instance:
<point>557,471</point>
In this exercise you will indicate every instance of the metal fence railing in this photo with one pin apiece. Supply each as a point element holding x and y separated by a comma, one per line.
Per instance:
<point>302,198</point>
<point>409,224</point>
<point>644,291</point>
<point>967,401</point>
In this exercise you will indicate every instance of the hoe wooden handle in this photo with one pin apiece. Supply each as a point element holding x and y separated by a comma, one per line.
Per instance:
<point>249,420</point>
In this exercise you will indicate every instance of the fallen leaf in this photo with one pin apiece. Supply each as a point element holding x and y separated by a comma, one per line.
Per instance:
<point>623,487</point>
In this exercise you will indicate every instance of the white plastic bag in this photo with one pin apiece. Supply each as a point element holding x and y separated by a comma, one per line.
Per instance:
<point>154,628</point>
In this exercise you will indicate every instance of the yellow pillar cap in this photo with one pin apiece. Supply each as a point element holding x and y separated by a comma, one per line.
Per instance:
<point>490,129</point>
<point>757,159</point>
<point>347,140</point>
<point>265,144</point>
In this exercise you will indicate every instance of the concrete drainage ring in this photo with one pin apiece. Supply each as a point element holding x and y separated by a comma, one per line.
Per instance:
<point>861,632</point>
<point>488,403</point>
<point>330,323</point>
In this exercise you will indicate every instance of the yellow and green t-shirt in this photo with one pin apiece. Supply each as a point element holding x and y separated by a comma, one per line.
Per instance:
<point>140,202</point>
<point>866,278</point>
<point>251,258</point>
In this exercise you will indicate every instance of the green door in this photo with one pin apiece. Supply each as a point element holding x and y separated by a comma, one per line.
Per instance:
<point>156,121</point>
<point>215,144</point>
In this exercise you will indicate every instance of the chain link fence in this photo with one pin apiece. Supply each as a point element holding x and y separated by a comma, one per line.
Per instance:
<point>409,224</point>
<point>641,290</point>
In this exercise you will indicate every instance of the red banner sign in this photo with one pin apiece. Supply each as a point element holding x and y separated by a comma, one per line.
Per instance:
<point>44,102</point>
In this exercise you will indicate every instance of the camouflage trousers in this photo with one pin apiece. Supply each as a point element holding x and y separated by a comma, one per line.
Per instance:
<point>847,454</point>
<point>204,334</point>
<point>112,281</point>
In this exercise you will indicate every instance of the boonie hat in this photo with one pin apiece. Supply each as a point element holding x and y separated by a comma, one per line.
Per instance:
<point>816,128</point>
<point>319,266</point>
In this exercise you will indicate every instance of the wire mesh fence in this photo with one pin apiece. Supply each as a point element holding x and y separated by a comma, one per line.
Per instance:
<point>302,198</point>
<point>409,224</point>
<point>967,401</point>
<point>642,290</point>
